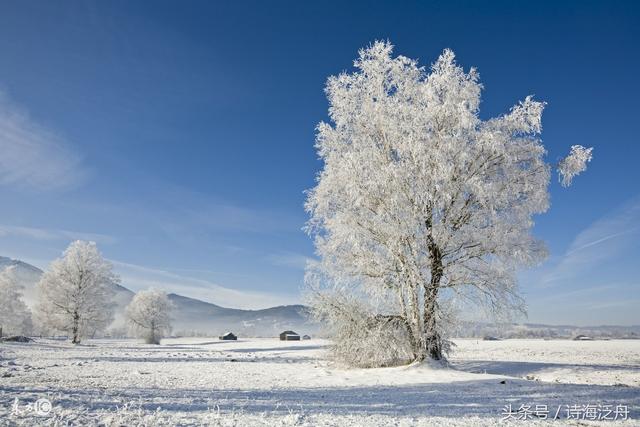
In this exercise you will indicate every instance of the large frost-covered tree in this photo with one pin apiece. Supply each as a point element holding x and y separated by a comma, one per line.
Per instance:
<point>420,202</point>
<point>149,315</point>
<point>75,293</point>
<point>15,316</point>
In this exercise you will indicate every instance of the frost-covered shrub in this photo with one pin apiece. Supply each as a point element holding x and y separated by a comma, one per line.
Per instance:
<point>360,337</point>
<point>380,343</point>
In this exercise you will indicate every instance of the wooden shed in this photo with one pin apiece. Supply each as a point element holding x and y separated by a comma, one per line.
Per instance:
<point>289,336</point>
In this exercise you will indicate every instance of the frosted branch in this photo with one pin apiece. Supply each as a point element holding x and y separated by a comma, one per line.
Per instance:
<point>574,164</point>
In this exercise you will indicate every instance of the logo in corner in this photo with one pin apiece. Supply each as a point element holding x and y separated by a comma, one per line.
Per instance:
<point>42,407</point>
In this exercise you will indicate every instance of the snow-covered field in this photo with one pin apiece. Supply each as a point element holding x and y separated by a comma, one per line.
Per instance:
<point>196,381</point>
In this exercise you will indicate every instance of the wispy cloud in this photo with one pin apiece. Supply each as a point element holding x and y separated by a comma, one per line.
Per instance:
<point>599,290</point>
<point>188,207</point>
<point>136,277</point>
<point>33,156</point>
<point>53,234</point>
<point>602,241</point>
<point>290,259</point>
<point>629,303</point>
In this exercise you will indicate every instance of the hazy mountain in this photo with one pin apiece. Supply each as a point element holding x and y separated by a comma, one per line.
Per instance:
<point>191,316</point>
<point>27,275</point>
<point>196,317</point>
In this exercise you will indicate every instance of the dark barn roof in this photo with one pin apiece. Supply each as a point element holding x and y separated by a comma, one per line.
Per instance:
<point>289,336</point>
<point>229,336</point>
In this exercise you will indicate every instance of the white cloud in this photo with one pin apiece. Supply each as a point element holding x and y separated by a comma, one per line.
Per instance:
<point>53,234</point>
<point>629,303</point>
<point>180,211</point>
<point>599,290</point>
<point>290,259</point>
<point>602,241</point>
<point>33,156</point>
<point>136,277</point>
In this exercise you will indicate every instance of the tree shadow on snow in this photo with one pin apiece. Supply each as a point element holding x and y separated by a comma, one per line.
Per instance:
<point>221,358</point>
<point>520,369</point>
<point>276,349</point>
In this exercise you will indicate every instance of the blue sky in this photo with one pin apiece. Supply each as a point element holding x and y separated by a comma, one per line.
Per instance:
<point>180,136</point>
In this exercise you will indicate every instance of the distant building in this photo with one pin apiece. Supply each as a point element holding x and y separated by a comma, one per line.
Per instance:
<point>306,337</point>
<point>289,336</point>
<point>228,337</point>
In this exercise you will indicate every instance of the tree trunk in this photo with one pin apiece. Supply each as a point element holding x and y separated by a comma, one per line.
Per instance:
<point>433,342</point>
<point>433,345</point>
<point>76,328</point>
<point>418,325</point>
<point>407,317</point>
<point>152,337</point>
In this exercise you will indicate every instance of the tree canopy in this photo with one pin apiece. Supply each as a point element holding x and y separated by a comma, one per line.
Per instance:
<point>420,200</point>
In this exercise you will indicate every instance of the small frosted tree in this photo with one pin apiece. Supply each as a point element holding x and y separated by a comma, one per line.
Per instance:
<point>75,293</point>
<point>149,315</point>
<point>420,203</point>
<point>15,316</point>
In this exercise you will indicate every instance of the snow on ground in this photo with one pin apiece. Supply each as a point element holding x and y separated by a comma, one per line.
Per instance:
<point>614,362</point>
<point>200,381</point>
